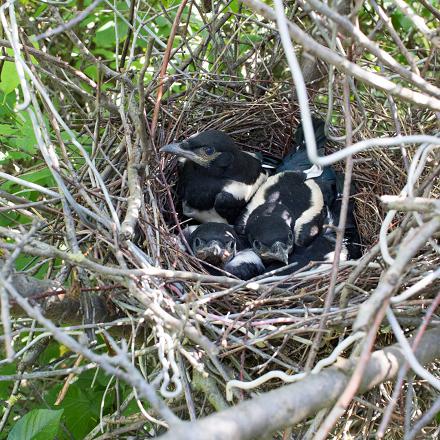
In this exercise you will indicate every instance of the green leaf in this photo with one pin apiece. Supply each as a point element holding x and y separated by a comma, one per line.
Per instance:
<point>234,5</point>
<point>27,141</point>
<point>105,36</point>
<point>9,79</point>
<point>7,106</point>
<point>81,409</point>
<point>6,386</point>
<point>43,177</point>
<point>401,21</point>
<point>50,353</point>
<point>83,402</point>
<point>38,424</point>
<point>6,130</point>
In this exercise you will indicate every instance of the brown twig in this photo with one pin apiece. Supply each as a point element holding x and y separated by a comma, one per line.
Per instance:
<point>163,69</point>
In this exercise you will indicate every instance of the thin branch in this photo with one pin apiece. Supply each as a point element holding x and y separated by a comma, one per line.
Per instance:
<point>119,366</point>
<point>343,64</point>
<point>71,23</point>
<point>424,420</point>
<point>417,368</point>
<point>286,406</point>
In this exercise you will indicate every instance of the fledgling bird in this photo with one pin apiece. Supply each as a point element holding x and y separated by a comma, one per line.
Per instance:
<point>219,245</point>
<point>287,210</point>
<point>216,178</point>
<point>298,160</point>
<point>215,243</point>
<point>330,182</point>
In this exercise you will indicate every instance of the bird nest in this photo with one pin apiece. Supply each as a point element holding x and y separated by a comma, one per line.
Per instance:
<point>270,325</point>
<point>255,327</point>
<point>128,251</point>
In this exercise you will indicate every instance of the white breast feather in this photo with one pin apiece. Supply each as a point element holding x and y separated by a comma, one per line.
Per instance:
<point>202,216</point>
<point>316,205</point>
<point>258,198</point>
<point>241,191</point>
<point>247,256</point>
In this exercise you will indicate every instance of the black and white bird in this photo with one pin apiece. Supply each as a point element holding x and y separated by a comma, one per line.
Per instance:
<point>298,160</point>
<point>330,182</point>
<point>215,243</point>
<point>219,245</point>
<point>287,210</point>
<point>216,178</point>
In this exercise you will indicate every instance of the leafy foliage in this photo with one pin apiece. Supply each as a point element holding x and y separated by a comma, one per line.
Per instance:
<point>38,424</point>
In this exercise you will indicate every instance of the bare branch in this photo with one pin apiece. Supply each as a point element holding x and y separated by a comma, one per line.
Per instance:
<point>288,405</point>
<point>346,66</point>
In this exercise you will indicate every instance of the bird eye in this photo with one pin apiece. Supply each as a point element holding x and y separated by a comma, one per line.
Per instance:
<point>257,245</point>
<point>209,150</point>
<point>197,242</point>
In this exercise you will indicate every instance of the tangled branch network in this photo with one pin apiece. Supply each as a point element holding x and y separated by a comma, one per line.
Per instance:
<point>112,223</point>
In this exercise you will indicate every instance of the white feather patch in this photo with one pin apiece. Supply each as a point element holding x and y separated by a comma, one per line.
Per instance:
<point>202,216</point>
<point>255,155</point>
<point>343,256</point>
<point>287,217</point>
<point>258,198</point>
<point>313,171</point>
<point>190,229</point>
<point>241,191</point>
<point>244,257</point>
<point>316,205</point>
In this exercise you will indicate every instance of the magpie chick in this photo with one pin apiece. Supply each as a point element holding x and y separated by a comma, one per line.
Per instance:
<point>215,243</point>
<point>286,210</point>
<point>298,160</point>
<point>216,179</point>
<point>321,249</point>
<point>330,182</point>
<point>219,245</point>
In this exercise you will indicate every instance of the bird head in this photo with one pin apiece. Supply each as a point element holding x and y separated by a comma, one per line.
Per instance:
<point>215,243</point>
<point>318,128</point>
<point>210,148</point>
<point>271,235</point>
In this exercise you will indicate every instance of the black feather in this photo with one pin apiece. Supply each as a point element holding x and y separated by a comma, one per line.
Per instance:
<point>278,209</point>
<point>216,179</point>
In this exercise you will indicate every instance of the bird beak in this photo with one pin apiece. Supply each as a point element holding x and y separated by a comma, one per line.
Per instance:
<point>213,253</point>
<point>277,252</point>
<point>177,149</point>
<point>174,148</point>
<point>214,248</point>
